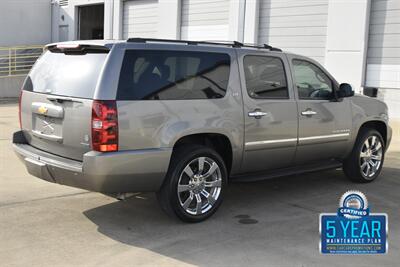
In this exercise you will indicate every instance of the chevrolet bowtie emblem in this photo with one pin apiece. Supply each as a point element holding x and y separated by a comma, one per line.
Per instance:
<point>42,110</point>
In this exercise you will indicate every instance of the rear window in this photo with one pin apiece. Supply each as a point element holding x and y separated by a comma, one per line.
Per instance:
<point>173,75</point>
<point>73,75</point>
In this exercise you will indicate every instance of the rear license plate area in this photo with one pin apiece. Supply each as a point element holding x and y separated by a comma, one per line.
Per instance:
<point>47,125</point>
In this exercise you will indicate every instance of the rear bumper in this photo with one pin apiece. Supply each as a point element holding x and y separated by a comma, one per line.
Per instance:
<point>112,172</point>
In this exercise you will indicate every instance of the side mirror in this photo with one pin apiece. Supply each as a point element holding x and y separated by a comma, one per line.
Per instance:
<point>345,90</point>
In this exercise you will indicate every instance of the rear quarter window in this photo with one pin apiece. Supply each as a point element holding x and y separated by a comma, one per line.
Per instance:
<point>62,74</point>
<point>173,75</point>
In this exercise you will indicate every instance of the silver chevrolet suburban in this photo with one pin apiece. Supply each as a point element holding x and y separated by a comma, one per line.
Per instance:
<point>183,118</point>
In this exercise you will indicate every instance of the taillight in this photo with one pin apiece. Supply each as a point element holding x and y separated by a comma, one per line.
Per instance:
<point>104,125</point>
<point>19,109</point>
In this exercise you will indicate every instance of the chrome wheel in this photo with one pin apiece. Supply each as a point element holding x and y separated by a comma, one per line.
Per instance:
<point>199,185</point>
<point>371,156</point>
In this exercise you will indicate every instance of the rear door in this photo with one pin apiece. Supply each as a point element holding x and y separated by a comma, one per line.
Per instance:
<point>324,122</point>
<point>270,112</point>
<point>56,103</point>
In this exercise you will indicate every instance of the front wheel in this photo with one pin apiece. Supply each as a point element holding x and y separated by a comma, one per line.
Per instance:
<point>194,185</point>
<point>365,161</point>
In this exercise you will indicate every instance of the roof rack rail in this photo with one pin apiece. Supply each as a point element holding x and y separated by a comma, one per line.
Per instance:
<point>234,44</point>
<point>272,48</point>
<point>251,45</point>
<point>264,46</point>
<point>144,40</point>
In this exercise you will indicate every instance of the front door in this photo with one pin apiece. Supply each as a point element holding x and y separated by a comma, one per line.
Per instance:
<point>324,122</point>
<point>270,112</point>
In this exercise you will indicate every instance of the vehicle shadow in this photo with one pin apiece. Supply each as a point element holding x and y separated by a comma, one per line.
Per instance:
<point>275,219</point>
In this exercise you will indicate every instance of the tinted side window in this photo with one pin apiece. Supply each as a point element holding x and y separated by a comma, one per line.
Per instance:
<point>311,81</point>
<point>173,75</point>
<point>265,77</point>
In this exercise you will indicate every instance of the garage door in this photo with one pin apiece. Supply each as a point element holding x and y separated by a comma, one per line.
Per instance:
<point>383,54</point>
<point>205,20</point>
<point>140,18</point>
<point>296,26</point>
<point>383,57</point>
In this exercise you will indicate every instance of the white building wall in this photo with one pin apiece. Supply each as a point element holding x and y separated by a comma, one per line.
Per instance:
<point>205,19</point>
<point>383,58</point>
<point>25,22</point>
<point>297,26</point>
<point>334,32</point>
<point>251,21</point>
<point>347,35</point>
<point>140,19</point>
<point>65,19</point>
<point>169,24</point>
<point>122,18</point>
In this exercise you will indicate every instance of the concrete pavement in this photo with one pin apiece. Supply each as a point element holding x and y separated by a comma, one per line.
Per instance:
<point>269,223</point>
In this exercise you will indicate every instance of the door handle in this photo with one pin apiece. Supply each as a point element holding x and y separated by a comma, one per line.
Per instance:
<point>308,112</point>
<point>257,114</point>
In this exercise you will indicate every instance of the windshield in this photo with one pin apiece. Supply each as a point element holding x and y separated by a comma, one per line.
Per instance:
<point>66,75</point>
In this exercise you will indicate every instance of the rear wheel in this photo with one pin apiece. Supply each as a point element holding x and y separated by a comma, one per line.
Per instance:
<point>365,161</point>
<point>194,186</point>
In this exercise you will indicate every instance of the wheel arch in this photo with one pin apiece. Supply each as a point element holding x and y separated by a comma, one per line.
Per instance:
<point>380,126</point>
<point>217,141</point>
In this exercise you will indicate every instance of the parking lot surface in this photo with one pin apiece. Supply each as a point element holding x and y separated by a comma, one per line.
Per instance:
<point>269,223</point>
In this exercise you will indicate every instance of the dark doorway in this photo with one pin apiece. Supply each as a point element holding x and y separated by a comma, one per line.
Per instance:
<point>91,22</point>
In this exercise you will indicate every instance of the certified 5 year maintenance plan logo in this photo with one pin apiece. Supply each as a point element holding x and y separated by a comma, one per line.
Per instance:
<point>353,229</point>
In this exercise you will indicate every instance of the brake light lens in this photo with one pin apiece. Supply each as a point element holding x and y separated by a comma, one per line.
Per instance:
<point>104,126</point>
<point>19,109</point>
<point>68,46</point>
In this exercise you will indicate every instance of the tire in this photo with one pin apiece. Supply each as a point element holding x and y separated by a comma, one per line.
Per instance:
<point>365,162</point>
<point>184,172</point>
